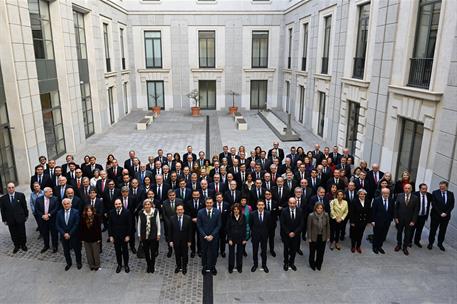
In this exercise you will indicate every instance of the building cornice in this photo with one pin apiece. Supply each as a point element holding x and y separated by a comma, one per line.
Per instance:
<point>416,93</point>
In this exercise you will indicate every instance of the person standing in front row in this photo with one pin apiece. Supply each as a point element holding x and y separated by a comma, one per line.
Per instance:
<point>14,214</point>
<point>67,224</point>
<point>442,205</point>
<point>91,235</point>
<point>318,233</point>
<point>259,222</point>
<point>291,221</point>
<point>382,215</point>
<point>360,215</point>
<point>180,237</point>
<point>236,236</point>
<point>405,213</point>
<point>120,226</point>
<point>208,225</point>
<point>149,232</point>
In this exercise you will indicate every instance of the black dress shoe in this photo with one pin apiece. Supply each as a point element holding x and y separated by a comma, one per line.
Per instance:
<point>318,268</point>
<point>441,247</point>
<point>299,252</point>
<point>203,271</point>
<point>127,269</point>
<point>152,269</point>
<point>24,247</point>
<point>381,251</point>
<point>240,270</point>
<point>230,270</point>
<point>265,268</point>
<point>405,251</point>
<point>118,269</point>
<point>293,267</point>
<point>214,271</point>
<point>54,250</point>
<point>192,254</point>
<point>184,271</point>
<point>397,248</point>
<point>16,249</point>
<point>104,229</point>
<point>79,266</point>
<point>429,246</point>
<point>108,240</point>
<point>254,268</point>
<point>170,251</point>
<point>418,244</point>
<point>342,238</point>
<point>313,267</point>
<point>176,269</point>
<point>285,267</point>
<point>199,254</point>
<point>133,250</point>
<point>245,254</point>
<point>148,269</point>
<point>67,267</point>
<point>223,254</point>
<point>375,250</point>
<point>46,248</point>
<point>273,254</point>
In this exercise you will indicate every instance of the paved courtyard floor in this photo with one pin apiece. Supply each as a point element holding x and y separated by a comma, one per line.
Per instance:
<point>30,277</point>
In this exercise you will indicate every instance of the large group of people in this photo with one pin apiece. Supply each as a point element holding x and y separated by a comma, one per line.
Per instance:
<point>205,205</point>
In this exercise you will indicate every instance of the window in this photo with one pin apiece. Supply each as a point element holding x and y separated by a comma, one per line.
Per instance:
<point>40,22</point>
<point>410,146</point>
<point>287,96</point>
<point>302,104</point>
<point>321,117</point>
<point>80,35</point>
<point>206,49</point>
<point>126,100</point>
<point>156,96</point>
<point>106,42</point>
<point>259,94</point>
<point>88,115</point>
<point>362,37</point>
<point>259,49</point>
<point>153,45</point>
<point>352,125</point>
<point>290,49</point>
<point>424,46</point>
<point>326,50</point>
<point>305,47</point>
<point>207,91</point>
<point>52,123</point>
<point>111,105</point>
<point>121,41</point>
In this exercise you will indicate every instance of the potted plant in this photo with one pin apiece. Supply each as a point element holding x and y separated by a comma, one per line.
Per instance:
<point>233,109</point>
<point>155,109</point>
<point>195,95</point>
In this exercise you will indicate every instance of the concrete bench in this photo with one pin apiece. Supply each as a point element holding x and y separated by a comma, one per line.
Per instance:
<point>150,117</point>
<point>143,124</point>
<point>237,115</point>
<point>241,124</point>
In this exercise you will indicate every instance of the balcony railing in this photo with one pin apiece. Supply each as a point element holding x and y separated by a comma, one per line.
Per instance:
<point>108,65</point>
<point>359,67</point>
<point>420,72</point>
<point>303,63</point>
<point>289,61</point>
<point>324,68</point>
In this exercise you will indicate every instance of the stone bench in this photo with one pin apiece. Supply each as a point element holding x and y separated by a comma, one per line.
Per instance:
<point>150,117</point>
<point>241,124</point>
<point>237,115</point>
<point>143,124</point>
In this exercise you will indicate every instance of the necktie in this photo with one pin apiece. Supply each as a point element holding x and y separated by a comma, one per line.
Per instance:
<point>407,199</point>
<point>258,193</point>
<point>182,193</point>
<point>111,194</point>
<point>67,215</point>
<point>289,183</point>
<point>93,203</point>
<point>62,191</point>
<point>233,195</point>
<point>180,223</point>
<point>142,175</point>
<point>385,204</point>
<point>115,171</point>
<point>172,204</point>
<point>268,205</point>
<point>103,185</point>
<point>444,197</point>
<point>298,201</point>
<point>11,199</point>
<point>39,179</point>
<point>159,192</point>
<point>79,182</point>
<point>293,215</point>
<point>118,211</point>
<point>320,199</point>
<point>220,207</point>
<point>314,183</point>
<point>261,217</point>
<point>209,214</point>
<point>46,205</point>
<point>362,183</point>
<point>423,205</point>
<point>126,203</point>
<point>134,191</point>
<point>268,185</point>
<point>376,177</point>
<point>51,172</point>
<point>242,177</point>
<point>280,193</point>
<point>217,187</point>
<point>195,204</point>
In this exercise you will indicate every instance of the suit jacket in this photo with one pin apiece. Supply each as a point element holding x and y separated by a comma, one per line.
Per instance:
<point>438,205</point>
<point>380,216</point>
<point>108,202</point>
<point>209,191</point>
<point>77,204</point>
<point>45,181</point>
<point>190,209</point>
<point>359,214</point>
<point>319,156</point>
<point>398,188</point>
<point>58,193</point>
<point>131,206</point>
<point>336,158</point>
<point>314,187</point>
<point>168,212</point>
<point>229,199</point>
<point>274,212</point>
<point>121,225</point>
<point>282,201</point>
<point>259,230</point>
<point>184,158</point>
<point>161,159</point>
<point>429,203</point>
<point>236,229</point>
<point>53,208</point>
<point>254,197</point>
<point>187,194</point>
<point>72,228</point>
<point>87,171</point>
<point>373,183</point>
<point>163,193</point>
<point>98,205</point>
<point>209,226</point>
<point>406,213</point>
<point>118,177</point>
<point>222,187</point>
<point>183,235</point>
<point>340,185</point>
<point>146,173</point>
<point>225,211</point>
<point>314,199</point>
<point>312,227</point>
<point>128,163</point>
<point>288,225</point>
<point>16,213</point>
<point>265,164</point>
<point>280,155</point>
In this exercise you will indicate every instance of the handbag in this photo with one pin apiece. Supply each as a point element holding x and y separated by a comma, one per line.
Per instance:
<point>140,252</point>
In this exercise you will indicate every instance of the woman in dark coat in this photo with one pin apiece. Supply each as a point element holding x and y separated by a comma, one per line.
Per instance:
<point>91,236</point>
<point>360,216</point>
<point>236,235</point>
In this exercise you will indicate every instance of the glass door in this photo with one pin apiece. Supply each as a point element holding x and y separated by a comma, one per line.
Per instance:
<point>259,94</point>
<point>207,91</point>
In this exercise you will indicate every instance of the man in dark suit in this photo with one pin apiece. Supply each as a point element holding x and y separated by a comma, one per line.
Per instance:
<point>180,237</point>
<point>67,224</point>
<point>336,156</point>
<point>363,183</point>
<point>61,190</point>
<point>272,207</point>
<point>168,210</point>
<point>281,193</point>
<point>160,157</point>
<point>336,180</point>
<point>46,208</point>
<point>76,202</point>
<point>374,176</point>
<point>160,190</point>
<point>109,196</point>
<point>224,209</point>
<point>54,175</point>
<point>95,202</point>
<point>232,195</point>
<point>442,204</point>
<point>184,193</point>
<point>259,222</point>
<point>257,193</point>
<point>344,166</point>
<point>225,154</point>
<point>14,214</point>
<point>208,225</point>
<point>321,198</point>
<point>142,174</point>
<point>135,168</point>
<point>204,191</point>
<point>406,210</point>
<point>383,212</point>
<point>192,207</point>
<point>129,202</point>
<point>189,152</point>
<point>278,151</point>
<point>425,199</point>
<point>120,227</point>
<point>43,179</point>
<point>317,154</point>
<point>313,181</point>
<point>264,162</point>
<point>91,167</point>
<point>217,186</point>
<point>291,221</point>
<point>128,163</point>
<point>115,173</point>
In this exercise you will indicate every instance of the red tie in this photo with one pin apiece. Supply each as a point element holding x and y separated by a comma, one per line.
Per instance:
<point>103,185</point>
<point>217,187</point>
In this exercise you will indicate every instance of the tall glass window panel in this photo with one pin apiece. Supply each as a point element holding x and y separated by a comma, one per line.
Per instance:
<point>326,49</point>
<point>207,49</point>
<point>287,96</point>
<point>121,41</point>
<point>424,46</point>
<point>207,91</point>
<point>259,94</point>
<point>305,47</point>
<point>106,42</point>
<point>352,125</point>
<point>156,94</point>
<point>153,46</point>
<point>289,57</point>
<point>53,125</point>
<point>301,111</point>
<point>126,99</point>
<point>362,38</point>
<point>321,116</point>
<point>88,115</point>
<point>112,116</point>
<point>80,35</point>
<point>41,29</point>
<point>259,49</point>
<point>410,146</point>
